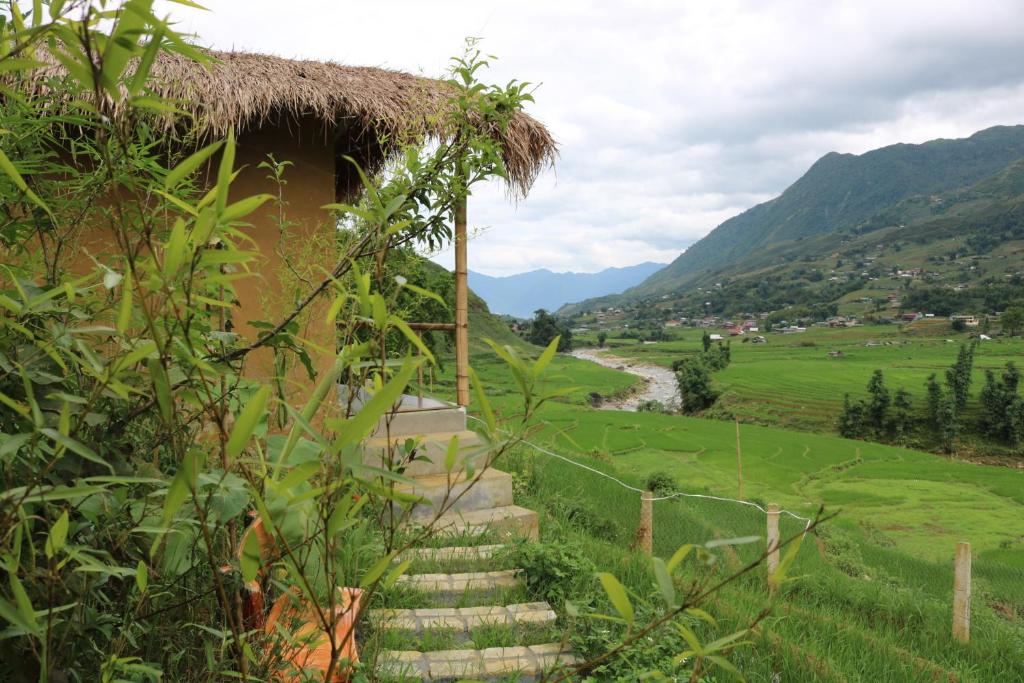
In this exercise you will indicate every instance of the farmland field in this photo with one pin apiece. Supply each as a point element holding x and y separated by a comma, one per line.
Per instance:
<point>874,597</point>
<point>791,381</point>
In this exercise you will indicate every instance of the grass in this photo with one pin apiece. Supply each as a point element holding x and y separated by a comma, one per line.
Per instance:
<point>873,597</point>
<point>790,380</point>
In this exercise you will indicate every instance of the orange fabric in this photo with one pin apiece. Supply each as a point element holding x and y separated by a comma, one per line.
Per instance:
<point>315,650</point>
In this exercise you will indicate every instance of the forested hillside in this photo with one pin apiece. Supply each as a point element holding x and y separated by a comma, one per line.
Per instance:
<point>942,207</point>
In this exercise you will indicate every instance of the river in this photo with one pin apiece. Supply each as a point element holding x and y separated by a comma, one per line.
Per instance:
<point>659,382</point>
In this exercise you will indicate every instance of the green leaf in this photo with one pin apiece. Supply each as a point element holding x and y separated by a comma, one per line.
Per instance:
<point>246,423</point>
<point>162,388</point>
<point>21,599</point>
<point>244,207</point>
<point>665,585</point>
<point>250,556</point>
<point>451,453</point>
<point>124,313</point>
<point>788,558</point>
<point>8,167</point>
<point>174,250</point>
<point>58,535</point>
<point>741,540</point>
<point>395,573</point>
<point>617,595</point>
<point>190,164</point>
<point>141,576</point>
<point>483,404</point>
<point>300,475</point>
<point>75,446</point>
<point>183,484</point>
<point>383,401</point>
<point>227,163</point>
<point>375,572</point>
<point>545,358</point>
<point>678,557</point>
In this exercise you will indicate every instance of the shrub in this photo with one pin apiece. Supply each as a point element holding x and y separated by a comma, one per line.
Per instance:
<point>661,484</point>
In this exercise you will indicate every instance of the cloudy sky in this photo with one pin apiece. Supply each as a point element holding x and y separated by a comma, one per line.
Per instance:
<point>671,115</point>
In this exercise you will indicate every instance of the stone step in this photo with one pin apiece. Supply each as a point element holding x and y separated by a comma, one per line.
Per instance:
<point>508,521</point>
<point>459,553</point>
<point>411,422</point>
<point>456,492</point>
<point>430,452</point>
<point>531,663</point>
<point>462,619</point>
<point>454,585</point>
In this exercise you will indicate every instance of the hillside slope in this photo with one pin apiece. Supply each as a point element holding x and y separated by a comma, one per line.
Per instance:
<point>522,294</point>
<point>845,195</point>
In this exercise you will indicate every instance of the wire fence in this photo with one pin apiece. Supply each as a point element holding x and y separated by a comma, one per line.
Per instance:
<point>591,495</point>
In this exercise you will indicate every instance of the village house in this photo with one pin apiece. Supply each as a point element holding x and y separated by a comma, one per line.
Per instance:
<point>330,122</point>
<point>967,320</point>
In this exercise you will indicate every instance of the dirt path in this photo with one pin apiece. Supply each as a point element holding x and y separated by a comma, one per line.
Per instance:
<point>659,382</point>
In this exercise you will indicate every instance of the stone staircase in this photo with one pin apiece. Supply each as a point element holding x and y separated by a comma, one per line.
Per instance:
<point>468,608</point>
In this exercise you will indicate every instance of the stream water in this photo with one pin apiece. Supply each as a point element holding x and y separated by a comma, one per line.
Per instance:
<point>659,382</point>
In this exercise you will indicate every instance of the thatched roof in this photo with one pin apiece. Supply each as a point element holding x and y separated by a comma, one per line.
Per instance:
<point>372,108</point>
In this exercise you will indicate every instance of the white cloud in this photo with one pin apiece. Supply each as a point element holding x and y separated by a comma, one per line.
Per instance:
<point>671,116</point>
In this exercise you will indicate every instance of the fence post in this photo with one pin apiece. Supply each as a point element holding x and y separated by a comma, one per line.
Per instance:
<point>645,532</point>
<point>739,460</point>
<point>773,543</point>
<point>962,593</point>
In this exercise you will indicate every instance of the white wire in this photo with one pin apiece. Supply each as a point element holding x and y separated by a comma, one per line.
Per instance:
<point>624,485</point>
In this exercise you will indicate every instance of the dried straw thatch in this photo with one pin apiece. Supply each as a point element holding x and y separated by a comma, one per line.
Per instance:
<point>368,110</point>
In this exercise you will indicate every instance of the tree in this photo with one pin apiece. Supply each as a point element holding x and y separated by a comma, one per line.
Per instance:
<point>958,377</point>
<point>1012,319</point>
<point>602,337</point>
<point>878,402</point>
<point>705,341</point>
<point>902,420</point>
<point>546,327</point>
<point>694,383</point>
<point>851,419</point>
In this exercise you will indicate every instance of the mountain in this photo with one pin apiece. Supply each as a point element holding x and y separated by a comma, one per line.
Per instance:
<point>522,294</point>
<point>840,196</point>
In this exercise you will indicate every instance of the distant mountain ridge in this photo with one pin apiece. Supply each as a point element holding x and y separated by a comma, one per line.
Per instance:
<point>840,194</point>
<point>522,294</point>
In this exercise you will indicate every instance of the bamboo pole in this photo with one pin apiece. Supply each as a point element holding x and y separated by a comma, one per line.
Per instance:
<point>645,531</point>
<point>962,593</point>
<point>773,544</point>
<point>461,306</point>
<point>739,460</point>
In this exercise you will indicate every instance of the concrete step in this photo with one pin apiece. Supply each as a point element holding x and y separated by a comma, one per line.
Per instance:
<point>412,422</point>
<point>492,664</point>
<point>508,521</point>
<point>462,619</point>
<point>456,492</point>
<point>459,553</point>
<point>455,585</point>
<point>430,452</point>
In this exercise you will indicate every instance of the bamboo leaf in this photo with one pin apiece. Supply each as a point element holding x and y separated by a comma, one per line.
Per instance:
<point>244,207</point>
<point>124,313</point>
<point>141,576</point>
<point>678,557</point>
<point>618,596</point>
<point>162,388</point>
<point>451,453</point>
<point>395,573</point>
<point>174,250</point>
<point>375,572</point>
<point>227,163</point>
<point>21,599</point>
<point>545,357</point>
<point>8,167</point>
<point>190,164</point>
<point>246,423</point>
<point>58,535</point>
<point>250,556</point>
<point>383,401</point>
<point>665,585</point>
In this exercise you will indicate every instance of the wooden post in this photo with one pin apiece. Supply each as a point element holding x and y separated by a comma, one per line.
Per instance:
<point>461,306</point>
<point>739,460</point>
<point>645,532</point>
<point>962,593</point>
<point>773,543</point>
